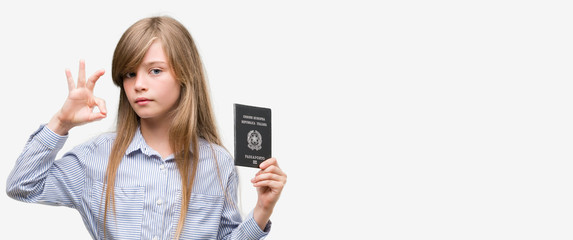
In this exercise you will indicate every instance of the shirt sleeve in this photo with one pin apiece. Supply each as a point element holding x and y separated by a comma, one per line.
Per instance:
<point>38,178</point>
<point>232,226</point>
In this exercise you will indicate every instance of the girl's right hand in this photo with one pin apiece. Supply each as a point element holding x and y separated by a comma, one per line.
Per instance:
<point>79,106</point>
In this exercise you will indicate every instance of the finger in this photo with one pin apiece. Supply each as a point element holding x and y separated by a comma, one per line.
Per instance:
<point>271,161</point>
<point>268,176</point>
<point>100,103</point>
<point>90,84</point>
<point>275,185</point>
<point>95,116</point>
<point>273,169</point>
<point>82,74</point>
<point>71,84</point>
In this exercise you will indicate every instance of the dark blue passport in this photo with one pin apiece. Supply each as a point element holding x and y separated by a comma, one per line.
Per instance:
<point>252,135</point>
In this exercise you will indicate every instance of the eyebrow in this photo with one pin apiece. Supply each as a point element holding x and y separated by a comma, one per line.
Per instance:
<point>153,63</point>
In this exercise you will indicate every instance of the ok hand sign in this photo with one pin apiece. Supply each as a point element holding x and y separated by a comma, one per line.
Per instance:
<point>79,106</point>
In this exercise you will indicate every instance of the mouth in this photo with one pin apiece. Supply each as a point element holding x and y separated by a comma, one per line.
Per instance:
<point>142,101</point>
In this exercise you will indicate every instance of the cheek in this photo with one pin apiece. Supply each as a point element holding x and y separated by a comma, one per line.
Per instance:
<point>175,93</point>
<point>126,86</point>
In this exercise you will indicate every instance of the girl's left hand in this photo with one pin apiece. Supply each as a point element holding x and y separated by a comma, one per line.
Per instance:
<point>269,182</point>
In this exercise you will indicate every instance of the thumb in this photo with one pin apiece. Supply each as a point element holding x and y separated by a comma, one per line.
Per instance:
<point>99,110</point>
<point>95,116</point>
<point>100,103</point>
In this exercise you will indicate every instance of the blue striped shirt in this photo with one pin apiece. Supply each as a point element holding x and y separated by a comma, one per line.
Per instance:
<point>147,189</point>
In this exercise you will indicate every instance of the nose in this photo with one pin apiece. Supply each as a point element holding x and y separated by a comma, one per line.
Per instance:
<point>140,83</point>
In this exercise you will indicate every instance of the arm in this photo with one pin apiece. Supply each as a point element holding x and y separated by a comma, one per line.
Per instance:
<point>36,177</point>
<point>232,226</point>
<point>269,181</point>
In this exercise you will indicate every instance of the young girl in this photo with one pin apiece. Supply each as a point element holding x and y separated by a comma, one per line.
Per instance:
<point>164,174</point>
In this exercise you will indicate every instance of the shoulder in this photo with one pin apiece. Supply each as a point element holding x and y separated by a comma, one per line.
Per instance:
<point>98,143</point>
<point>209,150</point>
<point>102,139</point>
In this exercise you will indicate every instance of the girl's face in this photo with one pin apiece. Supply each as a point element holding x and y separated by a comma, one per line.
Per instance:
<point>152,90</point>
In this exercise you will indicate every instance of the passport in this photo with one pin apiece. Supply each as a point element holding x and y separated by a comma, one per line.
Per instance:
<point>252,135</point>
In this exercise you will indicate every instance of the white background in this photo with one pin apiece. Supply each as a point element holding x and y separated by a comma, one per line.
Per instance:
<point>393,119</point>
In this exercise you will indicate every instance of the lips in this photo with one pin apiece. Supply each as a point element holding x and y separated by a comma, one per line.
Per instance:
<point>142,100</point>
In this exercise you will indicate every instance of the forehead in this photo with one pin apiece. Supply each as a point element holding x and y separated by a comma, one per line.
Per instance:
<point>155,54</point>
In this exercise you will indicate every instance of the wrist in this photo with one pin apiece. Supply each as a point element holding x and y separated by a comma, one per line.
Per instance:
<point>262,215</point>
<point>59,127</point>
<point>266,208</point>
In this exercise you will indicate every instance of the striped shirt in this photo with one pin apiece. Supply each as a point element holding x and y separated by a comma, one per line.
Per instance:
<point>147,189</point>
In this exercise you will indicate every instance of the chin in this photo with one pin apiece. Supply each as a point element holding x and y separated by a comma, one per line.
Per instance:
<point>144,115</point>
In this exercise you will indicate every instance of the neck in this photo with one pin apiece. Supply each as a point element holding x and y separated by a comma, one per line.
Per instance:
<point>156,135</point>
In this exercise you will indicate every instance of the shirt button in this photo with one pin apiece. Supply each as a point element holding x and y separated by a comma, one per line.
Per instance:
<point>155,238</point>
<point>162,167</point>
<point>159,202</point>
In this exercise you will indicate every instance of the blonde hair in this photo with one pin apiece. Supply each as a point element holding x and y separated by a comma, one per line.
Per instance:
<point>192,118</point>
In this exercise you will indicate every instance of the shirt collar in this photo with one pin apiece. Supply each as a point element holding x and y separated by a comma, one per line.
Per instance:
<point>138,143</point>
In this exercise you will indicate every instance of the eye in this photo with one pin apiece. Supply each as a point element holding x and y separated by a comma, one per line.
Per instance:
<point>130,75</point>
<point>155,71</point>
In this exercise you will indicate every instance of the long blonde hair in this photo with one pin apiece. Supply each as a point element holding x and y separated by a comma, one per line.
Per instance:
<point>193,117</point>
